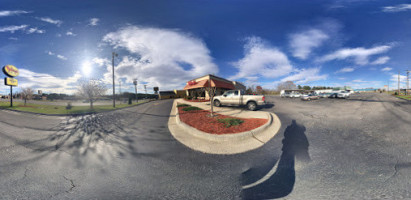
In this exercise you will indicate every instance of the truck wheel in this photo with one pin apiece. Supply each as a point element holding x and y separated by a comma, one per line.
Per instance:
<point>251,106</point>
<point>217,103</point>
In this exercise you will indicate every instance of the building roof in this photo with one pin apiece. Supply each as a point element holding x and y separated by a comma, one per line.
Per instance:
<point>214,83</point>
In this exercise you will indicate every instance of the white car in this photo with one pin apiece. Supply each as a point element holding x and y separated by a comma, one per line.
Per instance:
<point>295,95</point>
<point>343,94</point>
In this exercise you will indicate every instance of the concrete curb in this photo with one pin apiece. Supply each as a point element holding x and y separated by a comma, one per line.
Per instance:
<point>71,115</point>
<point>222,144</point>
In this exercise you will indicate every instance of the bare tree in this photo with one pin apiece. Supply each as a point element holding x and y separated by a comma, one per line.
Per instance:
<point>288,85</point>
<point>26,94</point>
<point>211,92</point>
<point>91,90</point>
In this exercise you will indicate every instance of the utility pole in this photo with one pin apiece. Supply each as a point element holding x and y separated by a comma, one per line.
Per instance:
<point>408,86</point>
<point>119,82</point>
<point>135,87</point>
<point>398,82</point>
<point>114,89</point>
<point>145,89</point>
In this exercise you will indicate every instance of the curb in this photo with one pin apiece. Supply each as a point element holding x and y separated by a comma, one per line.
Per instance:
<point>222,144</point>
<point>71,115</point>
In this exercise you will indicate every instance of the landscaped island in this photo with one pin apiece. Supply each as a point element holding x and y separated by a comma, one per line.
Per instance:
<point>218,124</point>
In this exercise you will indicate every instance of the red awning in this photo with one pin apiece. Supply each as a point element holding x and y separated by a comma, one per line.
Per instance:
<point>214,83</point>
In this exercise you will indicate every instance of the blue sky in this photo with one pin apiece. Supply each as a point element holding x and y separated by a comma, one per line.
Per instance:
<point>56,44</point>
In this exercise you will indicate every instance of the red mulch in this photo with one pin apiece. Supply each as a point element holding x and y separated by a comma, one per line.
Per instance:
<point>197,100</point>
<point>201,120</point>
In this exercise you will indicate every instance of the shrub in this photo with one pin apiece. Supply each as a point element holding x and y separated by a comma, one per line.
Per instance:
<point>69,106</point>
<point>182,105</point>
<point>190,108</point>
<point>396,93</point>
<point>189,98</point>
<point>130,101</point>
<point>195,98</point>
<point>228,122</point>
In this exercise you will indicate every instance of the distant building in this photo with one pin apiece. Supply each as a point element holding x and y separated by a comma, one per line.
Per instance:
<point>166,95</point>
<point>198,87</point>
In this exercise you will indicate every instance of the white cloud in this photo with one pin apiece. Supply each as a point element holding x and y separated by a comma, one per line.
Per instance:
<point>161,57</point>
<point>61,57</point>
<point>101,61</point>
<point>94,21</point>
<point>51,21</point>
<point>6,13</point>
<point>381,60</point>
<point>345,70</point>
<point>359,81</point>
<point>360,55</point>
<point>397,8</point>
<point>303,76</point>
<point>303,43</point>
<point>57,55</point>
<point>13,38</point>
<point>262,59</point>
<point>12,29</point>
<point>69,33</point>
<point>386,69</point>
<point>35,30</point>
<point>48,83</point>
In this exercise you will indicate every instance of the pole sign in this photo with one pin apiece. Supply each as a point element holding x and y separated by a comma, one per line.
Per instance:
<point>10,81</point>
<point>10,70</point>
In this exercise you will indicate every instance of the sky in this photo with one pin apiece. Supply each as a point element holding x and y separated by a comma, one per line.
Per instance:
<point>57,44</point>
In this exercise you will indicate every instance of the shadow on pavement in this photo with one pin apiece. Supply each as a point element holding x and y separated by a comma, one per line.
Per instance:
<point>91,139</point>
<point>281,183</point>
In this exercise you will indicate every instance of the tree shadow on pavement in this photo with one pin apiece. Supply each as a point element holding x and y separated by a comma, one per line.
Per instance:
<point>281,182</point>
<point>90,139</point>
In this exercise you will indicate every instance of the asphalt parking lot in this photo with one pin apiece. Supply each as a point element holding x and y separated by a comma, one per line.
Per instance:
<point>357,148</point>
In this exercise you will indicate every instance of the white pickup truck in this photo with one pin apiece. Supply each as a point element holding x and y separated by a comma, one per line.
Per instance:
<point>238,98</point>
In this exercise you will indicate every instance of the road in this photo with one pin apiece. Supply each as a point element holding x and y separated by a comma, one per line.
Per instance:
<point>327,149</point>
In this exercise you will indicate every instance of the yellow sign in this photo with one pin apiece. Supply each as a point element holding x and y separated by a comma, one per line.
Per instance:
<point>11,70</point>
<point>11,81</point>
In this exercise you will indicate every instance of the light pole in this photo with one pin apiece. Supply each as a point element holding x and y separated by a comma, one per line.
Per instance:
<point>114,54</point>
<point>135,87</point>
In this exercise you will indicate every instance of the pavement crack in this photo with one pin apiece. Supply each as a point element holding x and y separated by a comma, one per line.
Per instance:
<point>395,172</point>
<point>25,173</point>
<point>72,184</point>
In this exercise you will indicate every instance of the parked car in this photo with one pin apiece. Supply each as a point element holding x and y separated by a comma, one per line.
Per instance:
<point>309,97</point>
<point>333,95</point>
<point>295,95</point>
<point>324,95</point>
<point>238,98</point>
<point>344,94</point>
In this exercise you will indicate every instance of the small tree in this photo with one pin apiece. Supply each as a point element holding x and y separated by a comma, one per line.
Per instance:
<point>288,85</point>
<point>26,94</point>
<point>91,90</point>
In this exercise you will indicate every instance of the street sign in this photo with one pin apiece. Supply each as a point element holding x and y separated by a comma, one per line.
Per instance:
<point>11,70</point>
<point>10,81</point>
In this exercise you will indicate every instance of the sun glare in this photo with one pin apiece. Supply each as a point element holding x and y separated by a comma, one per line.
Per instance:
<point>86,68</point>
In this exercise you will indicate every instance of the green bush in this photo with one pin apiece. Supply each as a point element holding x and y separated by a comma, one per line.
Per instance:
<point>228,122</point>
<point>190,108</point>
<point>182,105</point>
<point>396,93</point>
<point>189,98</point>
<point>69,106</point>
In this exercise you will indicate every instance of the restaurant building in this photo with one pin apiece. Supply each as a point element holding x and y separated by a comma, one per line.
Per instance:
<point>199,87</point>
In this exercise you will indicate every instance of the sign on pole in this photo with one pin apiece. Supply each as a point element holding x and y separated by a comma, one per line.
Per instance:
<point>10,81</point>
<point>11,71</point>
